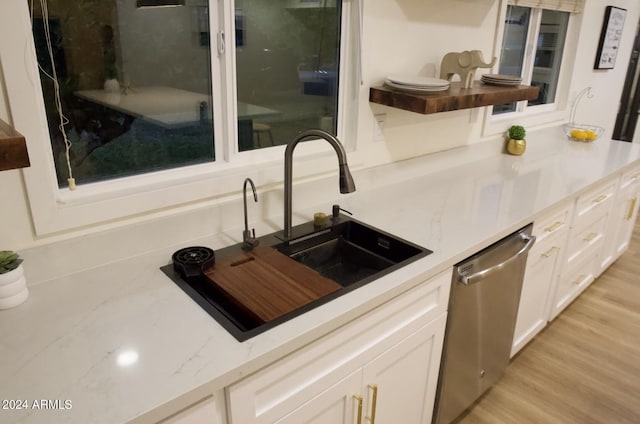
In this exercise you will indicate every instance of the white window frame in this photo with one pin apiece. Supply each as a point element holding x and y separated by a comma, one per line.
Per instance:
<point>536,115</point>
<point>129,199</point>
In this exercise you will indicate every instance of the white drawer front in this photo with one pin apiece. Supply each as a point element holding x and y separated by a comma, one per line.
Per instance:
<point>285,385</point>
<point>573,281</point>
<point>595,203</point>
<point>552,223</point>
<point>584,240</point>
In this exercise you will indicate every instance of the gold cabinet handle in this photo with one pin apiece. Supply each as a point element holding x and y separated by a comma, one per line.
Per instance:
<point>358,399</point>
<point>590,237</point>
<point>554,227</point>
<point>374,401</point>
<point>579,280</point>
<point>632,208</point>
<point>550,252</point>
<point>600,198</point>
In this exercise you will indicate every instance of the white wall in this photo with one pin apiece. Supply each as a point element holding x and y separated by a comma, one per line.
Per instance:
<point>401,36</point>
<point>606,85</point>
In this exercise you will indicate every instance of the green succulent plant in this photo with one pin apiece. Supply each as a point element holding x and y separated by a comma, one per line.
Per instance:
<point>9,261</point>
<point>517,132</point>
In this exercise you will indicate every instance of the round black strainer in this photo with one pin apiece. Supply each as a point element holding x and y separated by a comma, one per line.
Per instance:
<point>190,261</point>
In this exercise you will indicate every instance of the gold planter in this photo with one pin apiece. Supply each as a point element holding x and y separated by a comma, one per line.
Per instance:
<point>516,147</point>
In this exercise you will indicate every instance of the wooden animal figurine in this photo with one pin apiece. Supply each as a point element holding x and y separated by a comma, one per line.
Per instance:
<point>464,64</point>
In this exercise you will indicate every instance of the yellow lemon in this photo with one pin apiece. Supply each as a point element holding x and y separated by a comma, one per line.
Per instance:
<point>590,135</point>
<point>578,134</point>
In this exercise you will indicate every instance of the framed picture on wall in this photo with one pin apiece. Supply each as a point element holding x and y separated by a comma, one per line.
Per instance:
<point>610,37</point>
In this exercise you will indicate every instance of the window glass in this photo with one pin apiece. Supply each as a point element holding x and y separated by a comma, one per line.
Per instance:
<point>514,46</point>
<point>548,56</point>
<point>134,86</point>
<point>287,60</point>
<point>543,63</point>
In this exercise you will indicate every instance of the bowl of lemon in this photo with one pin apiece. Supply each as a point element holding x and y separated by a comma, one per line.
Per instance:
<point>582,132</point>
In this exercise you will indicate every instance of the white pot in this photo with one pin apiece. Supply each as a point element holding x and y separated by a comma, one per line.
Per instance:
<point>13,288</point>
<point>111,85</point>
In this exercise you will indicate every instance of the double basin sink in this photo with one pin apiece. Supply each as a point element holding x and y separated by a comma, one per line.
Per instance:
<point>345,251</point>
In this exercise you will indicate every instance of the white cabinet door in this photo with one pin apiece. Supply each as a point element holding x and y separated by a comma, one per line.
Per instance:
<point>623,219</point>
<point>403,380</point>
<point>397,346</point>
<point>539,281</point>
<point>339,404</point>
<point>396,387</point>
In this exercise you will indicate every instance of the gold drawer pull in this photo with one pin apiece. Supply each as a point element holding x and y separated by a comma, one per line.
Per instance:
<point>358,399</point>
<point>579,280</point>
<point>632,208</point>
<point>600,198</point>
<point>374,401</point>
<point>554,227</point>
<point>590,237</point>
<point>550,252</point>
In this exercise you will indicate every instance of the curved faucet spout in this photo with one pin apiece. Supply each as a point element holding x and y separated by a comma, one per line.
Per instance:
<point>347,184</point>
<point>249,240</point>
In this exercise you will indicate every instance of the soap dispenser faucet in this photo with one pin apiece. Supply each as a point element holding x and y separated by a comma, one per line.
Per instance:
<point>346,180</point>
<point>249,240</point>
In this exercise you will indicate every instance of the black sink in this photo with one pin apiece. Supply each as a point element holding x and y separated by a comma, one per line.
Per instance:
<point>344,250</point>
<point>350,252</point>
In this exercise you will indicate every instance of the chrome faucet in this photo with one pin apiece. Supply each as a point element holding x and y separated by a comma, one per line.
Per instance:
<point>346,180</point>
<point>249,240</point>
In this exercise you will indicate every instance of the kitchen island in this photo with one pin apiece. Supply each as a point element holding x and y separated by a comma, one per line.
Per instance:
<point>121,342</point>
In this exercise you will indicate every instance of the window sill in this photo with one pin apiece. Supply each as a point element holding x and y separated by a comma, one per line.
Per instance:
<point>499,124</point>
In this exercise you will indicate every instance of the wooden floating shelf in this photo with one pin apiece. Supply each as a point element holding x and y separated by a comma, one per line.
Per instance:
<point>454,98</point>
<point>13,148</point>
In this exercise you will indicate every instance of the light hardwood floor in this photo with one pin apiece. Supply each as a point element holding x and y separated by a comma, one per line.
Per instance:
<point>585,366</point>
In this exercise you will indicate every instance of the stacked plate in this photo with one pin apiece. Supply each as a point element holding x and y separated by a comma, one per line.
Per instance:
<point>498,79</point>
<point>416,85</point>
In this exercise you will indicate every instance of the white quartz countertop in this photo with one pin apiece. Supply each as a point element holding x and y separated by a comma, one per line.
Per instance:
<point>122,342</point>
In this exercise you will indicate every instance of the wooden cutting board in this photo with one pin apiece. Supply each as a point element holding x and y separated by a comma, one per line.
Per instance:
<point>267,284</point>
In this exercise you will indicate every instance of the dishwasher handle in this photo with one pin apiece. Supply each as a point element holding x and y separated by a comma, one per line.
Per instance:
<point>480,275</point>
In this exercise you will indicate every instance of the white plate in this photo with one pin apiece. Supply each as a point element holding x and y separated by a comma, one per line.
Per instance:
<point>502,83</point>
<point>502,77</point>
<point>518,81</point>
<point>417,82</point>
<point>415,90</point>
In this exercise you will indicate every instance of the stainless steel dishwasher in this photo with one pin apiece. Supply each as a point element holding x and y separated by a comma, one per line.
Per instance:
<point>483,307</point>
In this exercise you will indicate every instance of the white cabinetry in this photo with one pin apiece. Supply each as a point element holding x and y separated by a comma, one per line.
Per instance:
<point>541,273</point>
<point>624,214</point>
<point>575,243</point>
<point>585,249</point>
<point>384,363</point>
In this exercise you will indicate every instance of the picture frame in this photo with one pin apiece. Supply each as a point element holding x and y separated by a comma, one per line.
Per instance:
<point>610,37</point>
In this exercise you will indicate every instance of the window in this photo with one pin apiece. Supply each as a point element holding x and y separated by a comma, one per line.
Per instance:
<point>532,48</point>
<point>141,88</point>
<point>288,66</point>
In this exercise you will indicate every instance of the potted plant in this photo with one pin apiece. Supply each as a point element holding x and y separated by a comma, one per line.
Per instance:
<point>13,286</point>
<point>516,144</point>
